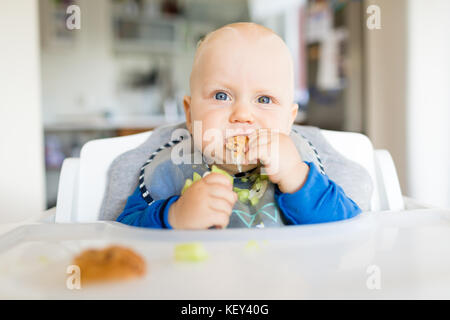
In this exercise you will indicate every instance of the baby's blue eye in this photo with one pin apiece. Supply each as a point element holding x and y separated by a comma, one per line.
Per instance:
<point>264,99</point>
<point>221,96</point>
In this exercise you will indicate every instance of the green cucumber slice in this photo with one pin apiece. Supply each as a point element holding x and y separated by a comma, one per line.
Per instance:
<point>187,184</point>
<point>190,252</point>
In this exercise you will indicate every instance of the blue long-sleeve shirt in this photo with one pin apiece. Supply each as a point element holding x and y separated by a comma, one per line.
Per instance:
<point>319,200</point>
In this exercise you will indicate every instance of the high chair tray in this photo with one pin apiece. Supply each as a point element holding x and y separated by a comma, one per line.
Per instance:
<point>373,256</point>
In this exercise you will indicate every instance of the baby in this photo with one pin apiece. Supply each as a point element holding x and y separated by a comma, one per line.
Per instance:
<point>242,85</point>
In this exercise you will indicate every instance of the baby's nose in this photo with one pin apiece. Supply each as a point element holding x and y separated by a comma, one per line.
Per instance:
<point>241,113</point>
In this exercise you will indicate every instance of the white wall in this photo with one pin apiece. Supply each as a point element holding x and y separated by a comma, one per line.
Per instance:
<point>385,82</point>
<point>428,147</point>
<point>21,147</point>
<point>78,76</point>
<point>408,95</point>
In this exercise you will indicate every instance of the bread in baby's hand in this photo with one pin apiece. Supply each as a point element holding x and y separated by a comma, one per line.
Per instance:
<point>237,145</point>
<point>111,263</point>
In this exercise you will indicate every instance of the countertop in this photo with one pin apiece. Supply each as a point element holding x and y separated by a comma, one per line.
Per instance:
<point>80,123</point>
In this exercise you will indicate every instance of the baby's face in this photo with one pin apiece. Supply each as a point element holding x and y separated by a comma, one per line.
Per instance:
<point>241,81</point>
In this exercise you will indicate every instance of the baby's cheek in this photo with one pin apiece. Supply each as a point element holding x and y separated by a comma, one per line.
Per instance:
<point>270,120</point>
<point>280,122</point>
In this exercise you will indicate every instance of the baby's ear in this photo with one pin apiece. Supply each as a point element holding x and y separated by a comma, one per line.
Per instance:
<point>187,111</point>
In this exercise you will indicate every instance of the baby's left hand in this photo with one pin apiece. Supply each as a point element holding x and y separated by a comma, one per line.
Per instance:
<point>279,157</point>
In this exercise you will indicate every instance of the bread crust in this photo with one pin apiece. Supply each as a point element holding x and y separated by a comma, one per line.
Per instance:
<point>111,263</point>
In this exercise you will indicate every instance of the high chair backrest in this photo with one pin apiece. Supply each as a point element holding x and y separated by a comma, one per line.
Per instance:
<point>357,147</point>
<point>83,180</point>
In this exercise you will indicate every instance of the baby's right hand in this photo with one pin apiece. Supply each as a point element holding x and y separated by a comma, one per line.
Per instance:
<point>206,203</point>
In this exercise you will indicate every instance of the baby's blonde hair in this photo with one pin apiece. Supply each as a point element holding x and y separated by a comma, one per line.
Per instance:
<point>251,28</point>
<point>237,25</point>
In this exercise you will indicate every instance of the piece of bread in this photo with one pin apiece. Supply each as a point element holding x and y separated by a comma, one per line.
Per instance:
<point>111,263</point>
<point>237,144</point>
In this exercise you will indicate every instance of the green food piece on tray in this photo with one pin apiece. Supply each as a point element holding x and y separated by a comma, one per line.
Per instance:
<point>43,259</point>
<point>244,179</point>
<point>215,169</point>
<point>252,245</point>
<point>191,252</point>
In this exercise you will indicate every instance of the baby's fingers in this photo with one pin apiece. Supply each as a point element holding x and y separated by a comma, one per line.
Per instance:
<point>220,205</point>
<point>263,137</point>
<point>217,178</point>
<point>218,191</point>
<point>258,152</point>
<point>219,220</point>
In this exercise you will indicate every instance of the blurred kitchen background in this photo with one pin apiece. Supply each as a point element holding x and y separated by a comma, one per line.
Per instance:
<point>127,68</point>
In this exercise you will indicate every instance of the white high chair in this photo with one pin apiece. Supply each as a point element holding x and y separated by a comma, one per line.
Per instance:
<point>83,180</point>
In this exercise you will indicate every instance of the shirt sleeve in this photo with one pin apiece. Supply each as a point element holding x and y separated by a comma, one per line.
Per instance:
<point>319,200</point>
<point>139,213</point>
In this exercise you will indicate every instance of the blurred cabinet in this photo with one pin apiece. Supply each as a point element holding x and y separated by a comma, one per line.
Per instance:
<point>334,46</point>
<point>147,35</point>
<point>167,26</point>
<point>62,143</point>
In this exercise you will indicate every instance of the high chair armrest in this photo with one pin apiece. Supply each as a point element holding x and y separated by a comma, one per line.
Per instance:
<point>67,190</point>
<point>388,184</point>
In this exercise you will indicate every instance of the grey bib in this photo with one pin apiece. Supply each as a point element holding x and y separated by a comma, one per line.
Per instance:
<point>160,177</point>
